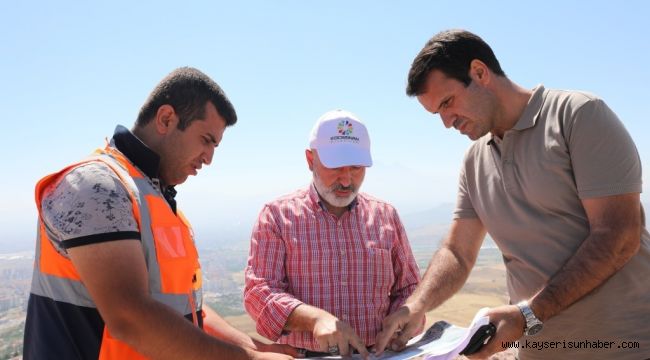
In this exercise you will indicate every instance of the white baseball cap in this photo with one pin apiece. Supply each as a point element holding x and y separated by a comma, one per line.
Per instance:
<point>341,139</point>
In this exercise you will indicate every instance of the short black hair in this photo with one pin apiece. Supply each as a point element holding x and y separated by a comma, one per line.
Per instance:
<point>450,51</point>
<point>187,90</point>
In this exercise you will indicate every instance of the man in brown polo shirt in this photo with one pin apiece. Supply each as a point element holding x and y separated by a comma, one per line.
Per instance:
<point>554,178</point>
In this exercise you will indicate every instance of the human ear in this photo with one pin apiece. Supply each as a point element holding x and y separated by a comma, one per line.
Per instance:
<point>310,159</point>
<point>166,119</point>
<point>479,72</point>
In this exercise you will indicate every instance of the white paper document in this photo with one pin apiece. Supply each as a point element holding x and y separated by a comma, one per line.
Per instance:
<point>442,341</point>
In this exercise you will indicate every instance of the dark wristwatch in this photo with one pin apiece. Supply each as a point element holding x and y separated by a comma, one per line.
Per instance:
<point>533,324</point>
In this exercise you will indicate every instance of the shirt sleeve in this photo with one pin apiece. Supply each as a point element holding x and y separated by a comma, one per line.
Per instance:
<point>604,158</point>
<point>407,273</point>
<point>88,205</point>
<point>464,208</point>
<point>265,294</point>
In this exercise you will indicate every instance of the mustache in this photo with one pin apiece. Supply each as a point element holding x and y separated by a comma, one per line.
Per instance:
<point>339,187</point>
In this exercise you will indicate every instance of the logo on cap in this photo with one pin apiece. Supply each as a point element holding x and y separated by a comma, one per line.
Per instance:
<point>344,127</point>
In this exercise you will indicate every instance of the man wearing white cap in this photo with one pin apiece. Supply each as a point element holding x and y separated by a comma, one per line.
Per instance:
<point>328,263</point>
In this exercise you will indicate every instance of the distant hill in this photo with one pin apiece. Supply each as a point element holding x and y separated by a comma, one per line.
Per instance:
<point>425,229</point>
<point>421,227</point>
<point>441,214</point>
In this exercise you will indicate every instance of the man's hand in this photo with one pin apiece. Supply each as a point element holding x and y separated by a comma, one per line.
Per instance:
<point>331,332</point>
<point>216,326</point>
<point>448,269</point>
<point>255,355</point>
<point>398,328</point>
<point>510,325</point>
<point>278,348</point>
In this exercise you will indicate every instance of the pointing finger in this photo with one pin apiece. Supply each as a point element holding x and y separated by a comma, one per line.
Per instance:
<point>356,342</point>
<point>384,336</point>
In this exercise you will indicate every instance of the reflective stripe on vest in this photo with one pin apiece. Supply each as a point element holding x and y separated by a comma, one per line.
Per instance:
<point>167,242</point>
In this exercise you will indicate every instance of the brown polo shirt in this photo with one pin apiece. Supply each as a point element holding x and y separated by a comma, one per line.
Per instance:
<point>527,188</point>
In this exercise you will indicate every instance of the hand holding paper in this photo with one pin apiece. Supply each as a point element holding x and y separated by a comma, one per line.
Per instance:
<point>510,324</point>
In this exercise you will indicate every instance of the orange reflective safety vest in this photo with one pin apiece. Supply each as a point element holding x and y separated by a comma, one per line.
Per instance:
<point>167,245</point>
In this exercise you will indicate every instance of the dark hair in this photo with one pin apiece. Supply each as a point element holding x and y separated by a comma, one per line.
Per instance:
<point>450,51</point>
<point>187,90</point>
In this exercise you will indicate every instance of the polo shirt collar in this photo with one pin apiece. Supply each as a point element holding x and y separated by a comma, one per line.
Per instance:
<point>143,158</point>
<point>136,151</point>
<point>529,117</point>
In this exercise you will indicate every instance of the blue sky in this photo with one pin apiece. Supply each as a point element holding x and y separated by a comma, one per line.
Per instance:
<point>71,71</point>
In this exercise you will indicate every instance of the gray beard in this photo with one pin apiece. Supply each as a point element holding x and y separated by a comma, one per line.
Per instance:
<point>328,195</point>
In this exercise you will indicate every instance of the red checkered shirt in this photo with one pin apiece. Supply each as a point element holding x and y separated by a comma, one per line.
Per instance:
<point>358,267</point>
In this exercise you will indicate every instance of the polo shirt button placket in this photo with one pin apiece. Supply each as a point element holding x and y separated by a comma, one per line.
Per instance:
<point>507,173</point>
